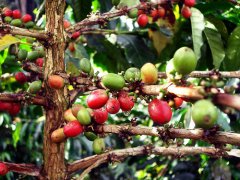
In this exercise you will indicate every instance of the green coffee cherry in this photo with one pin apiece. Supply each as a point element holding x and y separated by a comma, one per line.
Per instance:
<point>16,22</point>
<point>40,50</point>
<point>29,24</point>
<point>99,145</point>
<point>34,87</point>
<point>132,75</point>
<point>90,136</point>
<point>7,19</point>
<point>83,116</point>
<point>32,55</point>
<point>113,81</point>
<point>22,54</point>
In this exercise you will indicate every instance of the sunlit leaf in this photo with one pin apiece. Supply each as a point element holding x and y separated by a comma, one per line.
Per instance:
<point>7,40</point>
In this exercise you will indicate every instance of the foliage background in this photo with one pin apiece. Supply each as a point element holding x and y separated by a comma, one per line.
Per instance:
<point>215,38</point>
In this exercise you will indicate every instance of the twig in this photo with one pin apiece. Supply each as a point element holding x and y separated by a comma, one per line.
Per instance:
<point>145,150</point>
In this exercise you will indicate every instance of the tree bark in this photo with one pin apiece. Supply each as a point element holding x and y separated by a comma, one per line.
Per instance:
<point>54,167</point>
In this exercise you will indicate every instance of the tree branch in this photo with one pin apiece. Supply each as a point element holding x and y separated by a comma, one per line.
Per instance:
<point>195,134</point>
<point>116,155</point>
<point>27,169</point>
<point>7,29</point>
<point>23,97</point>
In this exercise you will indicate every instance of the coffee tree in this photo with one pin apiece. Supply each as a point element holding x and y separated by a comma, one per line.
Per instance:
<point>138,77</point>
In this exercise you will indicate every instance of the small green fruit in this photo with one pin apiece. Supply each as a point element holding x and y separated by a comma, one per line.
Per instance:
<point>22,54</point>
<point>98,145</point>
<point>90,136</point>
<point>132,75</point>
<point>133,13</point>
<point>34,87</point>
<point>113,81</point>
<point>204,114</point>
<point>83,116</point>
<point>32,55</point>
<point>7,19</point>
<point>85,65</point>
<point>40,50</point>
<point>29,24</point>
<point>16,22</point>
<point>184,60</point>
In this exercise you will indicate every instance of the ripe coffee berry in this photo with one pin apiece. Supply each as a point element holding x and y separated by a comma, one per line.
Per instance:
<point>15,109</point>
<point>142,20</point>
<point>39,62</point>
<point>97,99</point>
<point>66,24</point>
<point>5,106</point>
<point>16,14</point>
<point>55,82</point>
<point>7,12</point>
<point>3,169</point>
<point>26,18</point>
<point>161,12</point>
<point>186,12</point>
<point>189,3</point>
<point>100,116</point>
<point>178,102</point>
<point>126,102</point>
<point>72,129</point>
<point>113,106</point>
<point>21,77</point>
<point>154,14</point>
<point>76,34</point>
<point>159,111</point>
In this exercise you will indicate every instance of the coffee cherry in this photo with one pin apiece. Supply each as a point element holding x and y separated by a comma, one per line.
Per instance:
<point>34,87</point>
<point>90,136</point>
<point>16,22</point>
<point>32,55</point>
<point>76,34</point>
<point>140,11</point>
<point>16,14</point>
<point>189,3</point>
<point>39,62</point>
<point>29,24</point>
<point>132,75</point>
<point>113,81</point>
<point>97,99</point>
<point>126,102</point>
<point>21,77</point>
<point>149,73</point>
<point>178,102</point>
<point>159,111</point>
<point>7,12</point>
<point>100,116</point>
<point>71,47</point>
<point>204,114</point>
<point>7,19</point>
<point>26,18</point>
<point>186,12</point>
<point>40,50</point>
<point>161,12</point>
<point>68,116</point>
<point>83,116</point>
<point>113,106</point>
<point>154,14</point>
<point>15,109</point>
<point>3,169</point>
<point>66,24</point>
<point>98,145</point>
<point>5,106</point>
<point>58,136</point>
<point>72,129</point>
<point>142,20</point>
<point>22,54</point>
<point>75,108</point>
<point>55,82</point>
<point>184,60</point>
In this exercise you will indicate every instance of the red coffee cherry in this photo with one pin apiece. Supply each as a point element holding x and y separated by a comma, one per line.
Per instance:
<point>5,106</point>
<point>16,107</point>
<point>76,34</point>
<point>142,20</point>
<point>113,106</point>
<point>66,24</point>
<point>72,129</point>
<point>7,12</point>
<point>16,14</point>
<point>21,77</point>
<point>189,3</point>
<point>26,18</point>
<point>140,11</point>
<point>186,12</point>
<point>159,111</point>
<point>154,14</point>
<point>126,102</point>
<point>97,99</point>
<point>100,116</point>
<point>71,47</point>
<point>55,82</point>
<point>39,62</point>
<point>161,12</point>
<point>178,102</point>
<point>3,169</point>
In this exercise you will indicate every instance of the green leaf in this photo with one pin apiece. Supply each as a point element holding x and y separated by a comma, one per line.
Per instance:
<point>7,40</point>
<point>231,61</point>
<point>215,43</point>
<point>16,134</point>
<point>81,8</point>
<point>198,25</point>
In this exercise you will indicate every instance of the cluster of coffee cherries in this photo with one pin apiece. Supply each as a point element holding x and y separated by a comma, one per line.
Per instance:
<point>67,24</point>
<point>186,8</point>
<point>10,107</point>
<point>3,169</point>
<point>15,18</point>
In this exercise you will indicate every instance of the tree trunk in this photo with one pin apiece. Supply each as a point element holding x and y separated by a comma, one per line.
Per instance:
<point>54,167</point>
